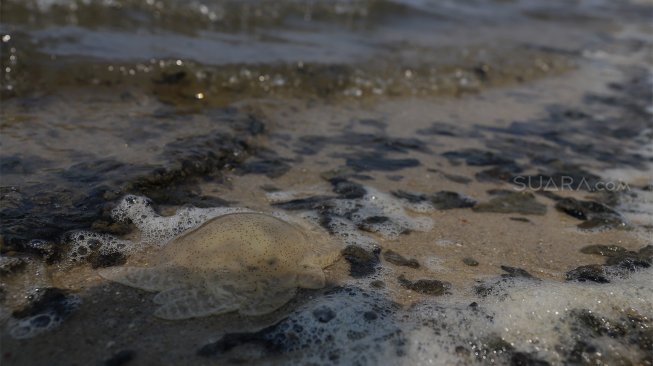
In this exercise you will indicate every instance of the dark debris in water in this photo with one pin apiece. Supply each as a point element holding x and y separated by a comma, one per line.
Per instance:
<point>513,202</point>
<point>425,286</point>
<point>399,260</point>
<point>596,216</point>
<point>362,262</point>
<point>619,262</point>
<point>442,200</point>
<point>476,157</point>
<point>446,200</point>
<point>378,163</point>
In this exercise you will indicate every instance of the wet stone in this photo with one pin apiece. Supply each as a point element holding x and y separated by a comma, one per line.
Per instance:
<point>516,272</point>
<point>347,189</point>
<point>378,163</point>
<point>603,250</point>
<point>514,202</point>
<point>476,157</point>
<point>470,262</point>
<point>362,263</point>
<point>410,196</point>
<point>397,259</point>
<point>501,173</point>
<point>272,168</point>
<point>582,210</point>
<point>597,325</point>
<point>446,200</point>
<point>629,261</point>
<point>309,203</point>
<point>426,287</point>
<point>592,273</point>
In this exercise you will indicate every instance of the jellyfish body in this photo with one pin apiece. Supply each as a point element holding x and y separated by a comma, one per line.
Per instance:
<point>252,263</point>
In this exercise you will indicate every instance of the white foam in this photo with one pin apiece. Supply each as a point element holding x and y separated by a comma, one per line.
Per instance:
<point>535,317</point>
<point>43,322</point>
<point>154,229</point>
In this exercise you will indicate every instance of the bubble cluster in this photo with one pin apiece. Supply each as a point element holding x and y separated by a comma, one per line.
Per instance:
<point>157,229</point>
<point>48,310</point>
<point>348,326</point>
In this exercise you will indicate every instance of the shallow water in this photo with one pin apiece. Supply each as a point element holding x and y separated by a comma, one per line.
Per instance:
<point>467,157</point>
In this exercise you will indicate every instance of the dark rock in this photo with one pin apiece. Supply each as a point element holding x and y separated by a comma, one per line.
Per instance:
<point>347,189</point>
<point>520,219</point>
<point>362,263</point>
<point>409,196</point>
<point>121,358</point>
<point>445,200</point>
<point>445,129</point>
<point>369,223</point>
<point>476,157</point>
<point>426,287</point>
<point>397,259</point>
<point>516,272</point>
<point>629,261</point>
<point>497,344</point>
<point>582,210</point>
<point>470,262</point>
<point>526,359</point>
<point>501,173</point>
<point>516,202</point>
<point>309,203</point>
<point>379,163</point>
<point>593,273</point>
<point>597,325</point>
<point>457,178</point>
<point>604,250</point>
<point>272,168</point>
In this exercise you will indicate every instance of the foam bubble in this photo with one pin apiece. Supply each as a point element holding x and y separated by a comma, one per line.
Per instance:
<point>49,318</point>
<point>154,229</point>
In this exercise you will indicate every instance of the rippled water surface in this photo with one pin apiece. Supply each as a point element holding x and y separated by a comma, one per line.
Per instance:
<point>482,167</point>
